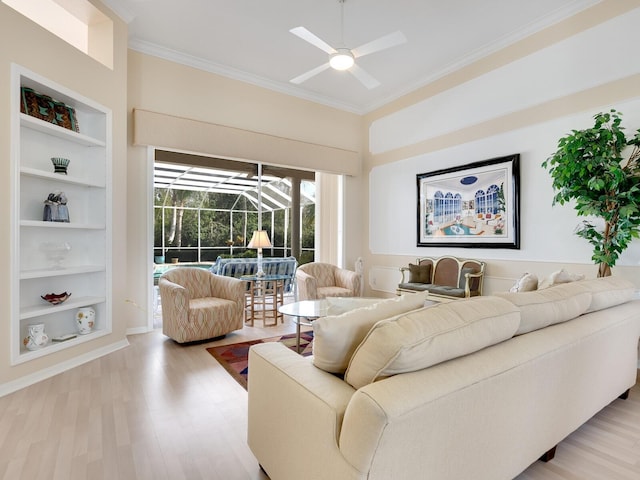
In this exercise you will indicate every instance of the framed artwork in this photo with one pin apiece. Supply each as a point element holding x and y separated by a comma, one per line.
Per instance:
<point>474,205</point>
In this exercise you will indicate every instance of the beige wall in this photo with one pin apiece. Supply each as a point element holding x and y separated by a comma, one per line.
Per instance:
<point>531,130</point>
<point>175,90</point>
<point>28,45</point>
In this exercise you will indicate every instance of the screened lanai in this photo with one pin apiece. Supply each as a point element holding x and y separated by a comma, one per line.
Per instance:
<point>208,207</point>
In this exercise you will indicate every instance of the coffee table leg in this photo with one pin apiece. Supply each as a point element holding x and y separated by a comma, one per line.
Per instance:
<point>298,337</point>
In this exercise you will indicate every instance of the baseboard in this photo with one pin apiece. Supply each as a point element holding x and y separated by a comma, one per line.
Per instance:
<point>27,380</point>
<point>138,330</point>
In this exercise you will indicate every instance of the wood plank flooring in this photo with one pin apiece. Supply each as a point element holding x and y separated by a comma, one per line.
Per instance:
<point>159,410</point>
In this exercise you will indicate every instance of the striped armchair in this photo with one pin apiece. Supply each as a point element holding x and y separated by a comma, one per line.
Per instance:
<point>198,305</point>
<point>317,280</point>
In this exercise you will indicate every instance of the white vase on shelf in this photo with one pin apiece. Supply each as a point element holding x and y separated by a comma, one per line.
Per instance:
<point>85,320</point>
<point>36,338</point>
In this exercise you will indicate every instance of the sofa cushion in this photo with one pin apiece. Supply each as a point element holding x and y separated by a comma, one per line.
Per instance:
<point>606,292</point>
<point>541,308</point>
<point>428,336</point>
<point>419,273</point>
<point>420,287</point>
<point>447,290</point>
<point>336,337</point>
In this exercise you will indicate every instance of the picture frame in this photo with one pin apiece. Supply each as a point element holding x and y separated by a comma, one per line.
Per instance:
<point>476,205</point>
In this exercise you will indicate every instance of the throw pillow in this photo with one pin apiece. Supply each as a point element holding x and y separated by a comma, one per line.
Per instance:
<point>420,273</point>
<point>339,305</point>
<point>425,337</point>
<point>541,308</point>
<point>561,276</point>
<point>526,283</point>
<point>336,337</point>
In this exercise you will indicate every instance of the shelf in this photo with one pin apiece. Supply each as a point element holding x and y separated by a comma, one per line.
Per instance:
<point>26,355</point>
<point>88,271</point>
<point>59,132</point>
<point>47,308</point>
<point>72,225</point>
<point>58,177</point>
<point>42,273</point>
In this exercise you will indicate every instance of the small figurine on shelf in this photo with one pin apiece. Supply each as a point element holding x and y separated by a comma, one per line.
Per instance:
<point>60,164</point>
<point>55,208</point>
<point>63,211</point>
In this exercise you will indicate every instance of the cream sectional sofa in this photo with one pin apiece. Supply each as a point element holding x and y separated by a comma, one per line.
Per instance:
<point>472,389</point>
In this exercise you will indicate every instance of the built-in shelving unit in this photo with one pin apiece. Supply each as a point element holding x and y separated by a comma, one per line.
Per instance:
<point>85,271</point>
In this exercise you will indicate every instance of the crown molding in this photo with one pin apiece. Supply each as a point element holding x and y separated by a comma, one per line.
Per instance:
<point>155,50</point>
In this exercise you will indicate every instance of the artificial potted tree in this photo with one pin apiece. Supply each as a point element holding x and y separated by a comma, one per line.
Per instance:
<point>598,168</point>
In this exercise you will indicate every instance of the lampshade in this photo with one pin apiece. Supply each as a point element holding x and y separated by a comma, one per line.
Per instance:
<point>260,239</point>
<point>342,59</point>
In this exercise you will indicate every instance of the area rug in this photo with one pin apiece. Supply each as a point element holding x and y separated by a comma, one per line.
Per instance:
<point>234,357</point>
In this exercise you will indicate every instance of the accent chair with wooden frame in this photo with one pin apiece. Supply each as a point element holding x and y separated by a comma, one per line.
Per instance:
<point>445,276</point>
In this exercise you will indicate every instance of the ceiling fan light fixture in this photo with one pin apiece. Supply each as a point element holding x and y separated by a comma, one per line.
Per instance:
<point>342,59</point>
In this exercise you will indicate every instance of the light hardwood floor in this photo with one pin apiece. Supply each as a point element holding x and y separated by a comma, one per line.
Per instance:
<point>159,410</point>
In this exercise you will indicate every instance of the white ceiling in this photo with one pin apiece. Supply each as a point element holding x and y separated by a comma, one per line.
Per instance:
<point>250,40</point>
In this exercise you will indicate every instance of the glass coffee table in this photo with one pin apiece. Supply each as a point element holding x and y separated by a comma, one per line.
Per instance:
<point>303,313</point>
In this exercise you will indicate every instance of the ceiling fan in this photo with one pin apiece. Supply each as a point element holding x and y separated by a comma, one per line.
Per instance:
<point>343,58</point>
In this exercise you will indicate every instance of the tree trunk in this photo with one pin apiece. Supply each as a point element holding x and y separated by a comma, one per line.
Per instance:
<point>179,226</point>
<point>604,270</point>
<point>172,227</point>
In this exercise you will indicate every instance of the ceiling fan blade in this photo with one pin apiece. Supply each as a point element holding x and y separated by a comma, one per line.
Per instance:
<point>311,73</point>
<point>307,36</point>
<point>366,79</point>
<point>382,43</point>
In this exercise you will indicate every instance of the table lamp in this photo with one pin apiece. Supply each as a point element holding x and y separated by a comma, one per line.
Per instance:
<point>259,240</point>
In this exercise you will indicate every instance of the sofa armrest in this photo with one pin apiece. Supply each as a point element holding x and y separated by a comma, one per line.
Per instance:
<point>307,286</point>
<point>306,405</point>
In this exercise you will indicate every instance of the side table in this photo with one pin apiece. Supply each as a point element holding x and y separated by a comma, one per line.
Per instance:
<point>264,296</point>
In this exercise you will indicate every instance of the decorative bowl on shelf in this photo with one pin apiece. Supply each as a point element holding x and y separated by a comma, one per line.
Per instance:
<point>56,298</point>
<point>56,252</point>
<point>60,164</point>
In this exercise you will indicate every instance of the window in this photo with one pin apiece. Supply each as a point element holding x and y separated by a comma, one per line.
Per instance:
<point>78,23</point>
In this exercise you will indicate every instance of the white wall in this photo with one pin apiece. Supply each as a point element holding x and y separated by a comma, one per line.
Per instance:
<point>596,56</point>
<point>520,102</point>
<point>546,230</point>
